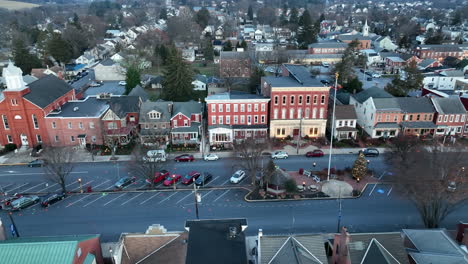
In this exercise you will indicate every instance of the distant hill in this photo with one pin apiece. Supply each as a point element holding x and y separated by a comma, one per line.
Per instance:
<point>14,5</point>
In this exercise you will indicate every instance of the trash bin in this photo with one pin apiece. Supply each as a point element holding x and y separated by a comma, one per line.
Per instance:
<point>301,171</point>
<point>89,189</point>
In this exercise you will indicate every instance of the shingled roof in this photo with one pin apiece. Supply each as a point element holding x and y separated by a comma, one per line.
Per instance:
<point>122,105</point>
<point>46,90</point>
<point>450,105</point>
<point>302,249</point>
<point>374,92</point>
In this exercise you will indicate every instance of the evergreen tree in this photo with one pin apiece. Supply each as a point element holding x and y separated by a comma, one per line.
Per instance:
<point>177,85</point>
<point>202,17</point>
<point>244,45</point>
<point>268,172</point>
<point>348,60</point>
<point>294,16</point>
<point>227,46</point>
<point>163,13</point>
<point>322,17</point>
<point>23,58</point>
<point>457,18</point>
<point>76,21</point>
<point>353,86</point>
<point>250,13</point>
<point>255,79</point>
<point>401,86</point>
<point>359,170</point>
<point>59,48</point>
<point>209,51</point>
<point>307,31</point>
<point>132,79</point>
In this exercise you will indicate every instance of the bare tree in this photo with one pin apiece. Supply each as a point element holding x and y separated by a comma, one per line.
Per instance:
<point>401,149</point>
<point>250,153</point>
<point>435,180</point>
<point>142,167</point>
<point>267,174</point>
<point>59,164</point>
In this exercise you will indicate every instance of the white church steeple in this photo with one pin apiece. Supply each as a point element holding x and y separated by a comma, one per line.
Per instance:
<point>13,78</point>
<point>365,30</point>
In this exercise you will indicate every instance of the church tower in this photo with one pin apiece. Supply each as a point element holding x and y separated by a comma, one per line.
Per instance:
<point>13,78</point>
<point>365,30</point>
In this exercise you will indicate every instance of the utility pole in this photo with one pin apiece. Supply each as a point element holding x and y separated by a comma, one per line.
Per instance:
<point>339,212</point>
<point>299,136</point>
<point>333,127</point>
<point>197,199</point>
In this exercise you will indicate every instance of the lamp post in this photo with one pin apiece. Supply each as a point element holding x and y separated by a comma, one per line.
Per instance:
<point>174,180</point>
<point>333,126</point>
<point>299,136</point>
<point>14,229</point>
<point>197,199</point>
<point>81,185</point>
<point>339,212</point>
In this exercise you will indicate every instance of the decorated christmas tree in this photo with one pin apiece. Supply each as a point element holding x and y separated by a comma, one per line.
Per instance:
<point>359,168</point>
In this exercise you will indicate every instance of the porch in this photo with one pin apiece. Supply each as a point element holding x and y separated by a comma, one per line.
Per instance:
<point>418,128</point>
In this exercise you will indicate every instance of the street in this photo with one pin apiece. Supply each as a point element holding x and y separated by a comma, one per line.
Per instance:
<point>380,208</point>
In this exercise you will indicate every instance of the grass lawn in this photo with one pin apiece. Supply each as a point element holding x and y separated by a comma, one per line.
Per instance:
<point>209,69</point>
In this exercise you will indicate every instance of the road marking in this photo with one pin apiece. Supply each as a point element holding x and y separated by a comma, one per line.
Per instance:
<point>167,197</point>
<point>100,197</point>
<point>18,187</point>
<point>390,191</point>
<point>131,199</point>
<point>149,198</point>
<point>108,188</point>
<point>83,185</point>
<point>184,197</point>
<point>225,182</point>
<point>33,187</point>
<point>48,187</point>
<point>206,194</point>
<point>209,182</point>
<point>66,186</point>
<point>77,201</point>
<point>114,199</point>
<point>383,174</point>
<point>221,195</point>
<point>100,184</point>
<point>39,173</point>
<point>6,186</point>
<point>373,189</point>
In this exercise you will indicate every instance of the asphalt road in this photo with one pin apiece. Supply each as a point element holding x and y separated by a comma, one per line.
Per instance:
<point>379,209</point>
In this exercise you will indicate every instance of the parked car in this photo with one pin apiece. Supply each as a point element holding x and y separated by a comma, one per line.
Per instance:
<point>95,84</point>
<point>211,157</point>
<point>184,158</point>
<point>37,163</point>
<point>24,202</point>
<point>315,153</point>
<point>6,202</point>
<point>325,64</point>
<point>279,155</point>
<point>124,182</point>
<point>172,179</point>
<point>190,177</point>
<point>452,186</point>
<point>52,198</point>
<point>325,82</point>
<point>370,152</point>
<point>203,179</point>
<point>123,83</point>
<point>156,155</point>
<point>238,176</point>
<point>158,176</point>
<point>376,75</point>
<point>369,79</point>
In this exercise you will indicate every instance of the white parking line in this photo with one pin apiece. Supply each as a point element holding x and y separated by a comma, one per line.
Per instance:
<point>100,184</point>
<point>83,185</point>
<point>390,191</point>
<point>67,186</point>
<point>209,182</point>
<point>221,195</point>
<point>373,189</point>
<point>6,186</point>
<point>100,197</point>
<point>33,187</point>
<point>383,174</point>
<point>190,193</point>
<point>47,187</point>
<point>207,194</point>
<point>149,198</point>
<point>167,197</point>
<point>131,199</point>
<point>77,201</point>
<point>17,187</point>
<point>39,173</point>
<point>225,182</point>
<point>114,199</point>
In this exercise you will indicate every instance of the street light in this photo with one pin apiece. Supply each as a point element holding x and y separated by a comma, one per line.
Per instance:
<point>299,136</point>
<point>333,126</point>
<point>81,185</point>
<point>173,179</point>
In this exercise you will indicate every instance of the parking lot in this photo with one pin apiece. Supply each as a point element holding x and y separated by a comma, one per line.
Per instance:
<point>378,190</point>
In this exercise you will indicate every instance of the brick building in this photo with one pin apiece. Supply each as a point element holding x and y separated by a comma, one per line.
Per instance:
<point>327,48</point>
<point>120,122</point>
<point>364,41</point>
<point>233,64</point>
<point>186,121</point>
<point>298,103</point>
<point>438,52</point>
<point>24,107</point>
<point>236,116</point>
<point>451,116</point>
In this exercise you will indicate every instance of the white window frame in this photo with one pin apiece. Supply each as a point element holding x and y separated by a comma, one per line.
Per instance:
<point>228,108</point>
<point>35,121</point>
<point>6,125</point>
<point>322,112</point>
<point>263,119</point>
<point>38,138</point>
<point>80,125</point>
<point>56,138</point>
<point>291,113</point>
<point>263,107</point>
<point>228,120</point>
<point>292,100</point>
<point>256,107</point>
<point>451,118</point>
<point>220,120</point>
<point>236,108</point>
<point>72,138</point>
<point>220,108</point>
<point>9,139</point>
<point>308,99</point>
<point>91,125</point>
<point>236,119</point>
<point>457,118</point>
<point>249,108</point>
<point>249,120</point>
<point>445,118</point>
<point>299,101</point>
<point>213,120</point>
<point>53,124</point>
<point>70,125</point>
<point>255,119</point>
<point>213,108</point>
<point>242,119</point>
<point>242,107</point>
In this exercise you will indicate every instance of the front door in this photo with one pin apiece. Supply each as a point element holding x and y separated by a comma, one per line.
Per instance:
<point>82,141</point>
<point>24,140</point>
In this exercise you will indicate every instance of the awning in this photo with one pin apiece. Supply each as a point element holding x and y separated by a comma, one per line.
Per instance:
<point>386,125</point>
<point>423,125</point>
<point>82,136</point>
<point>347,129</point>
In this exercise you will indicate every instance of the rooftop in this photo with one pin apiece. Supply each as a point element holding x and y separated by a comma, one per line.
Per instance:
<point>234,95</point>
<point>187,108</point>
<point>46,90</point>
<point>89,107</point>
<point>292,249</point>
<point>374,92</point>
<point>345,112</point>
<point>449,105</point>
<point>159,106</point>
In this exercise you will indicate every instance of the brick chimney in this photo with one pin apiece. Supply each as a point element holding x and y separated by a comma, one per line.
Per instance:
<point>341,248</point>
<point>462,233</point>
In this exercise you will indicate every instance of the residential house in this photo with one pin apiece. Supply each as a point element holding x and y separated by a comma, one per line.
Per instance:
<point>303,57</point>
<point>155,122</point>
<point>451,116</point>
<point>332,47</point>
<point>186,122</point>
<point>428,63</point>
<point>140,92</point>
<point>417,115</point>
<point>327,26</point>
<point>199,84</point>
<point>264,47</point>
<point>298,105</point>
<point>74,69</point>
<point>114,33</point>
<point>438,52</point>
<point>152,81</point>
<point>108,70</point>
<point>24,107</point>
<point>120,122</point>
<point>227,234</point>
<point>57,71</point>
<point>345,122</point>
<point>218,45</point>
<point>188,55</point>
<point>74,249</point>
<point>234,64</point>
<point>87,59</point>
<point>383,43</point>
<point>236,116</point>
<point>215,85</point>
<point>394,64</point>
<point>382,248</point>
<point>373,57</point>
<point>433,246</point>
<point>77,123</point>
<point>443,80</point>
<point>156,245</point>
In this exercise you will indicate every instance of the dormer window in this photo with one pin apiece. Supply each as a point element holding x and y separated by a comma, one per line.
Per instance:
<point>154,115</point>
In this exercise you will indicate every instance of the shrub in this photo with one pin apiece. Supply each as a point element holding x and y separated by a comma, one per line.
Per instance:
<point>288,137</point>
<point>10,147</point>
<point>356,193</point>
<point>290,185</point>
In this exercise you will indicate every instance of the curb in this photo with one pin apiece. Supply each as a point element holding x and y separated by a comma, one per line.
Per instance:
<point>14,164</point>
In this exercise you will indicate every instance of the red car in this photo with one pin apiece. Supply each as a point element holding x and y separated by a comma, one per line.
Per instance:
<point>189,178</point>
<point>184,157</point>
<point>170,180</point>
<point>315,153</point>
<point>158,176</point>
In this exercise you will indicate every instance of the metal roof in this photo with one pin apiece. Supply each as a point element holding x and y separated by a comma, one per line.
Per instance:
<point>90,107</point>
<point>234,95</point>
<point>450,105</point>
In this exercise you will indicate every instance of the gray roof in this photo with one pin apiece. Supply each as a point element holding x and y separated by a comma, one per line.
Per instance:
<point>122,105</point>
<point>139,91</point>
<point>194,127</point>
<point>353,37</point>
<point>328,45</point>
<point>343,97</point>
<point>424,258</point>
<point>415,104</point>
<point>391,242</point>
<point>435,241</point>
<point>279,177</point>
<point>374,92</point>
<point>396,59</point>
<point>107,62</point>
<point>426,62</point>
<point>450,105</point>
<point>418,124</point>
<point>386,125</point>
<point>234,95</point>
<point>46,90</point>
<point>298,76</point>
<point>233,55</point>
<point>345,112</point>
<point>160,106</point>
<point>456,73</point>
<point>386,104</point>
<point>384,55</point>
<point>89,107</point>
<point>292,249</point>
<point>376,253</point>
<point>187,108</point>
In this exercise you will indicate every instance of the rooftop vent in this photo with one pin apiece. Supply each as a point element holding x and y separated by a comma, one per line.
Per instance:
<point>232,232</point>
<point>76,108</point>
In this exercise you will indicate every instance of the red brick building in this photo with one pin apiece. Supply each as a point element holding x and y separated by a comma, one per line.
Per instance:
<point>23,108</point>
<point>236,116</point>
<point>298,103</point>
<point>233,64</point>
<point>451,116</point>
<point>185,123</point>
<point>120,122</point>
<point>438,52</point>
<point>327,48</point>
<point>364,41</point>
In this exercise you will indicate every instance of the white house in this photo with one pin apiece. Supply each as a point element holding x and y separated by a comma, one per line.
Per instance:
<point>188,55</point>
<point>345,122</point>
<point>444,80</point>
<point>87,59</point>
<point>258,34</point>
<point>108,70</point>
<point>259,47</point>
<point>199,85</point>
<point>372,56</point>
<point>118,57</point>
<point>381,43</point>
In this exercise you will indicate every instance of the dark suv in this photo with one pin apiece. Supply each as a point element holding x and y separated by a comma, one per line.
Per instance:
<point>51,199</point>
<point>370,152</point>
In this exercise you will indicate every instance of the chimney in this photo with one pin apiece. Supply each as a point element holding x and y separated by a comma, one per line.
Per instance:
<point>169,108</point>
<point>343,242</point>
<point>232,232</point>
<point>462,236</point>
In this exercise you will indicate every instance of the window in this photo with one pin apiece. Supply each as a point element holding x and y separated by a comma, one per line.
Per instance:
<point>14,102</point>
<point>263,107</point>
<point>5,122</point>
<point>445,118</point>
<point>283,131</point>
<point>292,99</point>
<point>299,113</point>
<point>340,123</point>
<point>322,100</point>
<point>220,120</point>
<point>242,120</point>
<point>35,123</point>
<point>321,112</point>
<point>275,114</point>
<point>111,125</point>
<point>72,138</point>
<point>228,120</point>
<point>242,108</point>
<point>255,119</point>
<point>228,108</point>
<point>70,125</point>
<point>263,119</point>
<point>131,119</point>
<point>284,100</point>
<point>440,118</point>
<point>387,118</point>
<point>308,99</point>
<point>185,122</point>
<point>146,126</point>
<point>154,115</point>
<point>411,117</point>
<point>163,126</point>
<point>457,118</point>
<point>39,138</point>
<point>93,138</point>
<point>346,123</point>
<point>235,108</point>
<point>220,108</point>
<point>276,100</point>
<point>451,118</point>
<point>314,113</point>
<point>278,131</point>
<point>307,113</point>
<point>10,139</point>
<point>56,138</point>
<point>291,113</point>
<point>249,120</point>
<point>91,124</point>
<point>378,133</point>
<point>351,123</point>
<point>155,126</point>
<point>80,125</point>
<point>315,99</point>
<point>462,118</point>
<point>213,120</point>
<point>459,129</point>
<point>236,120</point>
<point>300,99</point>
<point>256,107</point>
<point>418,117</point>
<point>249,108</point>
<point>379,118</point>
<point>283,113</point>
<point>372,116</point>
<point>213,108</point>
